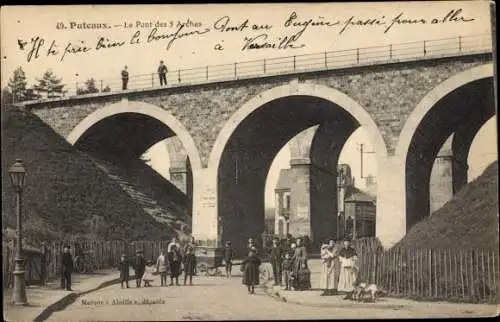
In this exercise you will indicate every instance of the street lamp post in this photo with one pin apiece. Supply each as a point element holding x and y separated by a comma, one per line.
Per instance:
<point>17,174</point>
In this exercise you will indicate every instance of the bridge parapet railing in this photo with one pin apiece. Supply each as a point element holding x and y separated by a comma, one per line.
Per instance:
<point>327,60</point>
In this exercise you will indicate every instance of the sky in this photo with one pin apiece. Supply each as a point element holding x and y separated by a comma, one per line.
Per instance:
<point>22,24</point>
<point>79,42</point>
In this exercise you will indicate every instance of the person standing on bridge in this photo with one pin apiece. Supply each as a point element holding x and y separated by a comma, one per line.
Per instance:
<point>124,77</point>
<point>162,73</point>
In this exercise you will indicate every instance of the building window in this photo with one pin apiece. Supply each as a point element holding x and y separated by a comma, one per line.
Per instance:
<point>287,202</point>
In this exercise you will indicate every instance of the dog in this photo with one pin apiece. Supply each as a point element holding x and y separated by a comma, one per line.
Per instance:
<point>364,289</point>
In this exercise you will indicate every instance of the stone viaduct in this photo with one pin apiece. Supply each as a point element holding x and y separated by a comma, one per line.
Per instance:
<point>231,131</point>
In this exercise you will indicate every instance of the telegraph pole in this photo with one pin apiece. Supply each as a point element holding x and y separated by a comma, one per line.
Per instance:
<point>362,152</point>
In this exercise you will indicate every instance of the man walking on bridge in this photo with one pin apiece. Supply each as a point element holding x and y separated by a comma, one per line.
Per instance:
<point>162,73</point>
<point>124,78</point>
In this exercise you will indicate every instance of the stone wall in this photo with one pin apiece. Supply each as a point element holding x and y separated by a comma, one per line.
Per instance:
<point>387,92</point>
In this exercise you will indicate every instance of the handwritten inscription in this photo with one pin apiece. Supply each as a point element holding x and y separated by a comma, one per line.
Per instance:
<point>155,36</point>
<point>255,35</point>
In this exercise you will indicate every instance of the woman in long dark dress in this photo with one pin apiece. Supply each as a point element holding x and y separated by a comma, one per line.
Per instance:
<point>174,261</point>
<point>250,268</point>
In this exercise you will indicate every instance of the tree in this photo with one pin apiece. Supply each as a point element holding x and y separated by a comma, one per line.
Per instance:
<point>19,90</point>
<point>106,89</point>
<point>50,84</point>
<point>89,88</point>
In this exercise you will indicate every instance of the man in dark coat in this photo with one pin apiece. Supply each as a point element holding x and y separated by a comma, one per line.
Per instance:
<point>276,259</point>
<point>139,267</point>
<point>189,261</point>
<point>174,261</point>
<point>66,269</point>
<point>162,73</point>
<point>124,270</point>
<point>250,269</point>
<point>124,78</point>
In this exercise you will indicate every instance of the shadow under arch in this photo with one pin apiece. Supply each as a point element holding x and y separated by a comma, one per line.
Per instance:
<point>250,139</point>
<point>460,104</point>
<point>434,96</point>
<point>320,91</point>
<point>145,109</point>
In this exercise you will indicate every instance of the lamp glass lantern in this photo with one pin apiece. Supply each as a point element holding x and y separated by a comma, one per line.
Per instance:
<point>17,174</point>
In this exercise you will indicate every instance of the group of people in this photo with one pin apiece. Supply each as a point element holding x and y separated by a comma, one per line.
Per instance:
<point>339,268</point>
<point>162,74</point>
<point>175,261</point>
<point>288,260</point>
<point>289,263</point>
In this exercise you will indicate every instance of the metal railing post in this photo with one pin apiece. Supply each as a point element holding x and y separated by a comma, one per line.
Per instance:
<point>76,89</point>
<point>235,72</point>
<point>206,72</point>
<point>425,48</point>
<point>264,65</point>
<point>390,52</point>
<point>152,80</point>
<point>101,85</point>
<point>459,44</point>
<point>357,55</point>
<point>326,61</point>
<point>294,62</point>
<point>179,75</point>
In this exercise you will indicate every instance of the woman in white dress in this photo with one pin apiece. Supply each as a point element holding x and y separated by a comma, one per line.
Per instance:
<point>330,268</point>
<point>348,269</point>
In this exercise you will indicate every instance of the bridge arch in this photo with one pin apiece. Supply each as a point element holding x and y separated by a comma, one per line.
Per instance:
<point>434,96</point>
<point>254,134</point>
<point>314,90</point>
<point>148,110</point>
<point>456,108</point>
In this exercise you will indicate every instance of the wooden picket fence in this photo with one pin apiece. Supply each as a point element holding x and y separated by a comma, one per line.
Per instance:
<point>104,254</point>
<point>444,274</point>
<point>467,275</point>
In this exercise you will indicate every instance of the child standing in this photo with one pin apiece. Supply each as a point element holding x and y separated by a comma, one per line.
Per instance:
<point>189,261</point>
<point>286,268</point>
<point>250,269</point>
<point>123,267</point>
<point>162,267</point>
<point>228,258</point>
<point>147,278</point>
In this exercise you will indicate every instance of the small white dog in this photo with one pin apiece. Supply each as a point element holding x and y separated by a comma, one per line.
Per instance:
<point>364,289</point>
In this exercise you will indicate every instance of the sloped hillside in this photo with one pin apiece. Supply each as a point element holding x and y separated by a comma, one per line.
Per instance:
<point>66,194</point>
<point>469,220</point>
<point>156,196</point>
